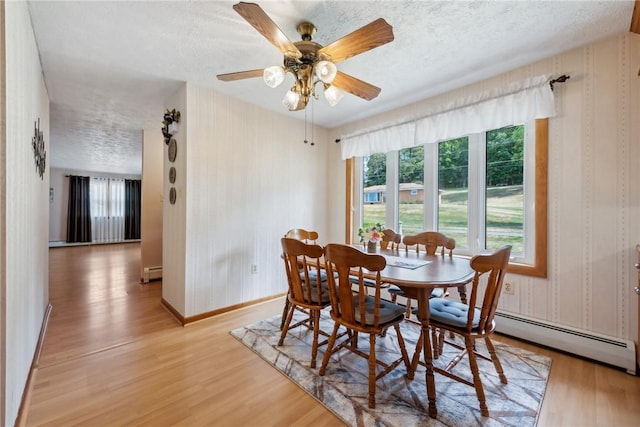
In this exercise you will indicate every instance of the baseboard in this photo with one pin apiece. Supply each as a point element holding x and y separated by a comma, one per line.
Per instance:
<point>606,349</point>
<point>64,244</point>
<point>21,419</point>
<point>184,321</point>
<point>151,273</point>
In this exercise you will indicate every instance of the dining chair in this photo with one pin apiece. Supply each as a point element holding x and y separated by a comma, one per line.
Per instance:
<point>390,240</point>
<point>359,312</point>
<point>471,322</point>
<point>306,236</point>
<point>431,240</point>
<point>307,290</point>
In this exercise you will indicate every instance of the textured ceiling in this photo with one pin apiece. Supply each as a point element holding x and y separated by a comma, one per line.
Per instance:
<point>109,66</point>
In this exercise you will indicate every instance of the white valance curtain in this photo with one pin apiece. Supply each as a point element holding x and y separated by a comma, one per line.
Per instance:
<point>518,103</point>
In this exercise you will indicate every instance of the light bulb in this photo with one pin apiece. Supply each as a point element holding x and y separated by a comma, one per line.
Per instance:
<point>291,100</point>
<point>333,95</point>
<point>326,71</point>
<point>273,76</point>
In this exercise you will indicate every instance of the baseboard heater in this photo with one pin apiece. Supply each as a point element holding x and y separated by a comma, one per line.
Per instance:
<point>602,348</point>
<point>151,273</point>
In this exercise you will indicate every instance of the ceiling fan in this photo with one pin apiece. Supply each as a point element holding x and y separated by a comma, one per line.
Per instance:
<point>311,63</point>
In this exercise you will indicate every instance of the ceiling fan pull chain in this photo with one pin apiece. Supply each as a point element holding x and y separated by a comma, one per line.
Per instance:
<point>312,138</point>
<point>305,126</point>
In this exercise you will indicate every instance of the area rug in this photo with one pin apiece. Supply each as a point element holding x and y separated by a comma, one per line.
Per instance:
<point>400,402</point>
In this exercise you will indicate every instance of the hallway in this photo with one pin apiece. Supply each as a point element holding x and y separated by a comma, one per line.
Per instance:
<point>114,356</point>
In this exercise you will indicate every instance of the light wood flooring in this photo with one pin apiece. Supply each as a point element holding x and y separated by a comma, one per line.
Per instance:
<point>113,356</point>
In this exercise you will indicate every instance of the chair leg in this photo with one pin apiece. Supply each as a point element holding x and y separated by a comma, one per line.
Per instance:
<point>316,332</point>
<point>416,357</point>
<point>476,377</point>
<point>372,370</point>
<point>285,327</point>
<point>435,333</point>
<point>495,360</point>
<point>330,344</point>
<point>403,349</point>
<point>462,290</point>
<point>440,342</point>
<point>285,310</point>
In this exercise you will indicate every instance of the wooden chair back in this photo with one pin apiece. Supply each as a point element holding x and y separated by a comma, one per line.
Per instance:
<point>345,268</point>
<point>479,323</point>
<point>494,267</point>
<point>359,312</point>
<point>306,236</point>
<point>303,266</point>
<point>390,240</point>
<point>431,240</point>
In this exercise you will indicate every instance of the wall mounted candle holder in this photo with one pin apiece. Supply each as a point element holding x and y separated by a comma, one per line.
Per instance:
<point>170,124</point>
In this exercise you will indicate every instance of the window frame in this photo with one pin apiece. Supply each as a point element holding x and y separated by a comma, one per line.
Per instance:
<point>538,265</point>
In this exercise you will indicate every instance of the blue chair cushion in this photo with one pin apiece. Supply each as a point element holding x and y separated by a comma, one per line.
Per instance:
<point>436,293</point>
<point>388,310</point>
<point>452,313</point>
<point>313,276</point>
<point>367,282</point>
<point>324,292</point>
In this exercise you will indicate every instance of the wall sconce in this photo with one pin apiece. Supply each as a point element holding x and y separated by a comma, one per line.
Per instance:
<point>170,122</point>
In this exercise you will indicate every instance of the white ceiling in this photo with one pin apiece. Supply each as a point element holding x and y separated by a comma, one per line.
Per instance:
<point>109,65</point>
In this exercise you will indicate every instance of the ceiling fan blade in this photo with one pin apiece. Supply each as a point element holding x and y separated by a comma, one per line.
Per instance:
<point>257,17</point>
<point>229,77</point>
<point>355,86</point>
<point>370,36</point>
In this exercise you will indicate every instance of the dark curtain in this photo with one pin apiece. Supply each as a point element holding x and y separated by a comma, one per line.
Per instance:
<point>79,212</point>
<point>132,207</point>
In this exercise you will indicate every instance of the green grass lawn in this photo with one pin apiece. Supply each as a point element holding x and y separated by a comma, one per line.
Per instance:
<point>504,216</point>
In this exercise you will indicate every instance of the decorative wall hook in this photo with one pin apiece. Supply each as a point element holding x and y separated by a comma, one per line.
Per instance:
<point>39,152</point>
<point>170,124</point>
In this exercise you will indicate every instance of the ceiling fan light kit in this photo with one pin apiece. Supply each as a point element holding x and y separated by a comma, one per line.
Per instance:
<point>309,62</point>
<point>273,76</point>
<point>333,95</point>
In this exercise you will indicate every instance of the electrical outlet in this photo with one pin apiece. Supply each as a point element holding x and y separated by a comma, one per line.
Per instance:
<point>509,288</point>
<point>254,268</point>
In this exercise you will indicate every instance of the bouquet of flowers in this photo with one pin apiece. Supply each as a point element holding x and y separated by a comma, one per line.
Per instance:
<point>371,233</point>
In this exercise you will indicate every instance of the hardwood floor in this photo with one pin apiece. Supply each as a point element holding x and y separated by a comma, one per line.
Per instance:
<point>113,356</point>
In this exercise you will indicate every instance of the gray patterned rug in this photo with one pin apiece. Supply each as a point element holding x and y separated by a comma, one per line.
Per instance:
<point>400,402</point>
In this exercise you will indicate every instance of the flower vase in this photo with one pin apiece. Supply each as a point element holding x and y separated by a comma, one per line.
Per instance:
<point>372,247</point>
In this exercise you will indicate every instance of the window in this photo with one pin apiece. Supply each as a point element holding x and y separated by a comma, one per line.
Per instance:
<point>485,190</point>
<point>453,190</point>
<point>410,200</point>
<point>374,189</point>
<point>107,209</point>
<point>504,191</point>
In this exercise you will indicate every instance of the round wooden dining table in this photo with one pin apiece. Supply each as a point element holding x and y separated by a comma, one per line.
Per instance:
<point>418,275</point>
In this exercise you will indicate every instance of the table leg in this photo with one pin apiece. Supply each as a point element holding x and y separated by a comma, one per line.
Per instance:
<point>423,315</point>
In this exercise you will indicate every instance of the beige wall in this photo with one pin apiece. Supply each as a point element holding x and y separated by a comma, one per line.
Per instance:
<point>174,222</point>
<point>58,206</point>
<point>3,207</point>
<point>244,178</point>
<point>152,199</point>
<point>25,203</point>
<point>594,187</point>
